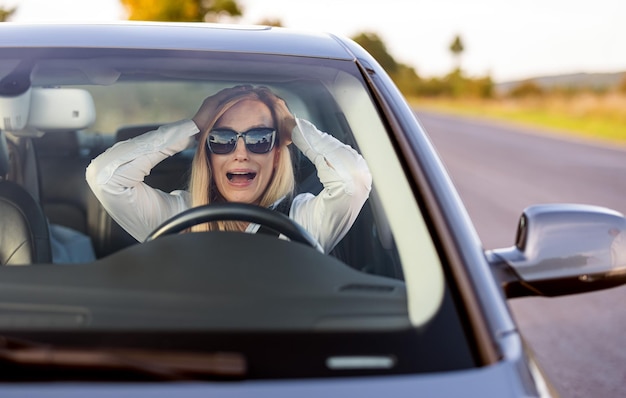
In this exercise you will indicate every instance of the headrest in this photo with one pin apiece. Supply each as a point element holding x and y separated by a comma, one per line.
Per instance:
<point>47,110</point>
<point>14,110</point>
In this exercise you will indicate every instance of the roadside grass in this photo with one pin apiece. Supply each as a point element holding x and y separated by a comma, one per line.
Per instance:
<point>599,117</point>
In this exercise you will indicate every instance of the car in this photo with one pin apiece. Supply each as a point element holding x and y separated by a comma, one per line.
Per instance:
<point>407,303</point>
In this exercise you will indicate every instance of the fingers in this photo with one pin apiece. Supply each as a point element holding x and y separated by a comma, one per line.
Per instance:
<point>227,92</point>
<point>286,120</point>
<point>209,106</point>
<point>207,111</point>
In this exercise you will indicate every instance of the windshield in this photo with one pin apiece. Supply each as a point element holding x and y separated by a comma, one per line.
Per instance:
<point>365,276</point>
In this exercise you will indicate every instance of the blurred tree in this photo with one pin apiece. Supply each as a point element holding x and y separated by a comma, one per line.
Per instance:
<point>181,10</point>
<point>404,76</point>
<point>527,88</point>
<point>375,46</point>
<point>453,85</point>
<point>457,83</point>
<point>271,22</point>
<point>433,87</point>
<point>6,13</point>
<point>456,47</point>
<point>407,80</point>
<point>483,87</point>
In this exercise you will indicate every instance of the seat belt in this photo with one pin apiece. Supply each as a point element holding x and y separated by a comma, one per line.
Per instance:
<point>283,207</point>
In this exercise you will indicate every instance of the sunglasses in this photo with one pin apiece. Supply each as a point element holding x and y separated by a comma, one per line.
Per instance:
<point>258,140</point>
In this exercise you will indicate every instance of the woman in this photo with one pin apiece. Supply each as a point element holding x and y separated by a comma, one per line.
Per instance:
<point>242,156</point>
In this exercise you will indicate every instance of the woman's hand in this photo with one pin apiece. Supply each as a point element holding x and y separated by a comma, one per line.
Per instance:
<point>286,121</point>
<point>206,113</point>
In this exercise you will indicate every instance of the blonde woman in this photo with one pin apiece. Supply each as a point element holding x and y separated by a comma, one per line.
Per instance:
<point>242,156</point>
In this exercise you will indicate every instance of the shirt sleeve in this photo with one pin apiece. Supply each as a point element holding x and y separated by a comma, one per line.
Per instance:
<point>116,178</point>
<point>347,183</point>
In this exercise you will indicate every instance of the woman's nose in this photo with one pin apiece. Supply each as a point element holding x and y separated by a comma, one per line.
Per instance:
<point>241,152</point>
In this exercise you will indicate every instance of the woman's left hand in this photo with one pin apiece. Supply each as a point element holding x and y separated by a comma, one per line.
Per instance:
<point>206,112</point>
<point>286,121</point>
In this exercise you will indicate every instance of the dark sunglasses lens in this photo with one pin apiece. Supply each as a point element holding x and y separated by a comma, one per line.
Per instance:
<point>260,140</point>
<point>222,141</point>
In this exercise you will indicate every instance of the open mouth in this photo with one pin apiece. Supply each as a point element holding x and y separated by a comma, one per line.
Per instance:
<point>240,177</point>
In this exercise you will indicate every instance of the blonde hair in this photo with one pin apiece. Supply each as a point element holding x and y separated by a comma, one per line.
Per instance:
<point>201,184</point>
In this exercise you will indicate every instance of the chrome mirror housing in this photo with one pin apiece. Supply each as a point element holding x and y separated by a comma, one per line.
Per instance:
<point>563,249</point>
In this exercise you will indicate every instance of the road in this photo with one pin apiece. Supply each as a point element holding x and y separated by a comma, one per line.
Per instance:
<point>499,170</point>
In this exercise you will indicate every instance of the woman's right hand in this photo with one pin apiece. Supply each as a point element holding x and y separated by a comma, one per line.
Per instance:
<point>206,113</point>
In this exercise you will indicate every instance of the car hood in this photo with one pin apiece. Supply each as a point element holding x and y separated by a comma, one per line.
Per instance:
<point>499,380</point>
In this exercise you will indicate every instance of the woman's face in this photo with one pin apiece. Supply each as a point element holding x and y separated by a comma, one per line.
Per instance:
<point>242,176</point>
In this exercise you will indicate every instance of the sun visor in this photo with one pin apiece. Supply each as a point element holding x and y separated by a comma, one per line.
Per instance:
<point>60,109</point>
<point>14,110</point>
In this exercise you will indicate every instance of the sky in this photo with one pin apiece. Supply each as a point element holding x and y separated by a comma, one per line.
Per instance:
<point>508,40</point>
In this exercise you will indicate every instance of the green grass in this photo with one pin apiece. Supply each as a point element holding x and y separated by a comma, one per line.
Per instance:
<point>597,117</point>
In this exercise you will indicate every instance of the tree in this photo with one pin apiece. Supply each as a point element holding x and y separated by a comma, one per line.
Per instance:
<point>373,44</point>
<point>457,49</point>
<point>404,76</point>
<point>181,10</point>
<point>6,13</point>
<point>271,22</point>
<point>407,80</point>
<point>526,88</point>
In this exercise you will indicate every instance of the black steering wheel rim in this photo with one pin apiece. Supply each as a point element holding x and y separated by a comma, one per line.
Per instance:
<point>234,212</point>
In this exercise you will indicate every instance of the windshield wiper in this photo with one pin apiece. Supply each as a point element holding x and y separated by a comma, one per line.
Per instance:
<point>18,356</point>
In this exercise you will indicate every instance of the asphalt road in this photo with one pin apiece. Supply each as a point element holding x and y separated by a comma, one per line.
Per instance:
<point>499,170</point>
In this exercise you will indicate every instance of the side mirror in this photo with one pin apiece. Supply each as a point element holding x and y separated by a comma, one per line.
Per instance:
<point>563,249</point>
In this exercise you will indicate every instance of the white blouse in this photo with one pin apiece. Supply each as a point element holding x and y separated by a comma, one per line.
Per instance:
<point>116,178</point>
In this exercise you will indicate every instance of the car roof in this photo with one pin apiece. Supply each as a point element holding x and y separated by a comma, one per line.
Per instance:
<point>176,36</point>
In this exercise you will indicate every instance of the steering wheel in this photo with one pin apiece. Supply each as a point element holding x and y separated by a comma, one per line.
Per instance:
<point>234,212</point>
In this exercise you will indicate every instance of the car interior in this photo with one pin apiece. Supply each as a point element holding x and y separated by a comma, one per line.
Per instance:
<point>60,148</point>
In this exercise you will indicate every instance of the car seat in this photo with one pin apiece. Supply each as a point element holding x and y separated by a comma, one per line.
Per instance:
<point>50,113</point>
<point>24,235</point>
